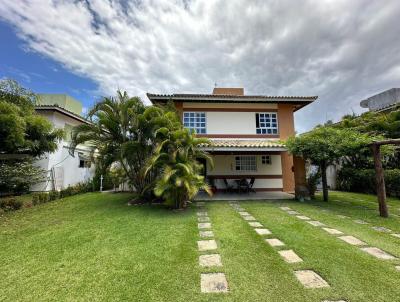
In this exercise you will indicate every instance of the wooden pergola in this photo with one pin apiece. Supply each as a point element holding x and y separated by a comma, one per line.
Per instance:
<point>380,179</point>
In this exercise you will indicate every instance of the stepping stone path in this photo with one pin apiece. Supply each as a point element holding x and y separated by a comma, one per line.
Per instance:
<point>255,224</point>
<point>209,282</point>
<point>210,260</point>
<point>374,251</point>
<point>263,231</point>
<point>332,231</point>
<point>310,279</point>
<point>206,234</point>
<point>203,219</point>
<point>289,256</point>
<point>360,221</point>
<point>274,242</point>
<point>303,217</point>
<point>204,225</point>
<point>214,283</point>
<point>397,267</point>
<point>206,245</point>
<point>248,218</point>
<point>378,253</point>
<point>352,240</point>
<point>293,212</point>
<point>382,229</point>
<point>315,223</point>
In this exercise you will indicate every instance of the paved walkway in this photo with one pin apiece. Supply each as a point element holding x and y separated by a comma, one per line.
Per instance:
<point>210,282</point>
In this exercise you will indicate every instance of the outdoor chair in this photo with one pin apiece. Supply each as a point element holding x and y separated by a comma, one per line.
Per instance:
<point>243,186</point>
<point>228,187</point>
<point>252,180</point>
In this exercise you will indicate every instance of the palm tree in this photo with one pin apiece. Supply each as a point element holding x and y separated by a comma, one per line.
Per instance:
<point>118,133</point>
<point>176,156</point>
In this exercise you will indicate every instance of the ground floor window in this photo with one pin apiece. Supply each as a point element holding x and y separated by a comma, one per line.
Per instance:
<point>245,163</point>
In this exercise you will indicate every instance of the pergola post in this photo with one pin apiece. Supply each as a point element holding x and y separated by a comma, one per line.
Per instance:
<point>380,181</point>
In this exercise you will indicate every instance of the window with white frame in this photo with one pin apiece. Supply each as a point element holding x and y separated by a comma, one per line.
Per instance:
<point>267,123</point>
<point>245,163</point>
<point>195,121</point>
<point>266,159</point>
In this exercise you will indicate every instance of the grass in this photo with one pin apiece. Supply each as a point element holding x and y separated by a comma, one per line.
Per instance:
<point>94,247</point>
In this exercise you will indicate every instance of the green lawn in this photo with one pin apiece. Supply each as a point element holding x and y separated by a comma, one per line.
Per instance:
<point>94,247</point>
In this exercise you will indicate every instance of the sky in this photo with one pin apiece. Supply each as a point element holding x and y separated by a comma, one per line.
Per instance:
<point>343,51</point>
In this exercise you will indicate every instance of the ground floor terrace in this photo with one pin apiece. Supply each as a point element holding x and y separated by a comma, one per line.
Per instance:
<point>94,247</point>
<point>243,166</point>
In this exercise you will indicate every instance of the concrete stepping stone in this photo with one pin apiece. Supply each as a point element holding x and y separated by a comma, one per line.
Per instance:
<point>274,242</point>
<point>206,245</point>
<point>378,253</point>
<point>343,216</point>
<point>396,235</point>
<point>310,279</point>
<point>210,260</point>
<point>285,208</point>
<point>352,240</point>
<point>263,231</point>
<point>244,213</point>
<point>293,212</point>
<point>360,221</point>
<point>204,225</point>
<point>290,256</point>
<point>203,219</point>
<point>303,217</point>
<point>315,223</point>
<point>248,218</point>
<point>333,231</point>
<point>255,224</point>
<point>213,283</point>
<point>397,267</point>
<point>206,234</point>
<point>202,214</point>
<point>381,229</point>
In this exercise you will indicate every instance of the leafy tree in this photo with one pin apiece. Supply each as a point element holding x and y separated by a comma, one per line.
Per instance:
<point>325,144</point>
<point>22,131</point>
<point>176,156</point>
<point>24,135</point>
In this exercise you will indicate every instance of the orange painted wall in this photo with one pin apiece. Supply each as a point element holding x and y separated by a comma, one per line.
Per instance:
<point>286,129</point>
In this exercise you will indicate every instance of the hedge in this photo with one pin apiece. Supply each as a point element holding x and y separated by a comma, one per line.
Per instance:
<point>363,180</point>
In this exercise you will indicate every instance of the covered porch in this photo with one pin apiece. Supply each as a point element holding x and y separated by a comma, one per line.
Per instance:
<point>203,196</point>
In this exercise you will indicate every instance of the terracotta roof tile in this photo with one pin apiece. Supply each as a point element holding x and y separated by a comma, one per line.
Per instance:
<point>222,143</point>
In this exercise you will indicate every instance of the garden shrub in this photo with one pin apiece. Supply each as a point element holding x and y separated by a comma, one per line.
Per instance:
<point>53,195</point>
<point>363,181</point>
<point>10,204</point>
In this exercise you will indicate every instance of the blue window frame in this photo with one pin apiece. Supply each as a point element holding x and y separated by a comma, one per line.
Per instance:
<point>195,121</point>
<point>267,123</point>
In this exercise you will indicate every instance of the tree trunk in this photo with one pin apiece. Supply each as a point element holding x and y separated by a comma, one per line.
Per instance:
<point>324,180</point>
<point>380,181</point>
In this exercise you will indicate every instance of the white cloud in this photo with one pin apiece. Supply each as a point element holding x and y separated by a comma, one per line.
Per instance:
<point>342,51</point>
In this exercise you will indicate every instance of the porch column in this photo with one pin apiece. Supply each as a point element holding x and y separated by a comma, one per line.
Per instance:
<point>287,172</point>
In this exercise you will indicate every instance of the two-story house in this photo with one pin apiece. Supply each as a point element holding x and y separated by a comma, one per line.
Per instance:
<point>62,168</point>
<point>245,132</point>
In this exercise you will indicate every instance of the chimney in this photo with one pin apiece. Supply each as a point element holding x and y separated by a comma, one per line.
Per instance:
<point>228,91</point>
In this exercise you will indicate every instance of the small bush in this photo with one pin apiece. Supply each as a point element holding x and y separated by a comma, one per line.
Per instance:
<point>35,198</point>
<point>363,181</point>
<point>40,197</point>
<point>53,195</point>
<point>10,204</point>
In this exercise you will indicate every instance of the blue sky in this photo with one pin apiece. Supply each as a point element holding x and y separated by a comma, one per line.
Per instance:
<point>342,51</point>
<point>40,73</point>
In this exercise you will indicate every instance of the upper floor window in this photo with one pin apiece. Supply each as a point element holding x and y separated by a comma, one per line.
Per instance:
<point>245,163</point>
<point>266,123</point>
<point>195,121</point>
<point>266,159</point>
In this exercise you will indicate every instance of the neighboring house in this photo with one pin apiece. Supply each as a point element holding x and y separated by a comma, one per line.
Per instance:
<point>245,131</point>
<point>62,168</point>
<point>383,102</point>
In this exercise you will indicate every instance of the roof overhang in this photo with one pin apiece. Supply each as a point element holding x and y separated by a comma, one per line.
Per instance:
<point>300,101</point>
<point>62,111</point>
<point>243,149</point>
